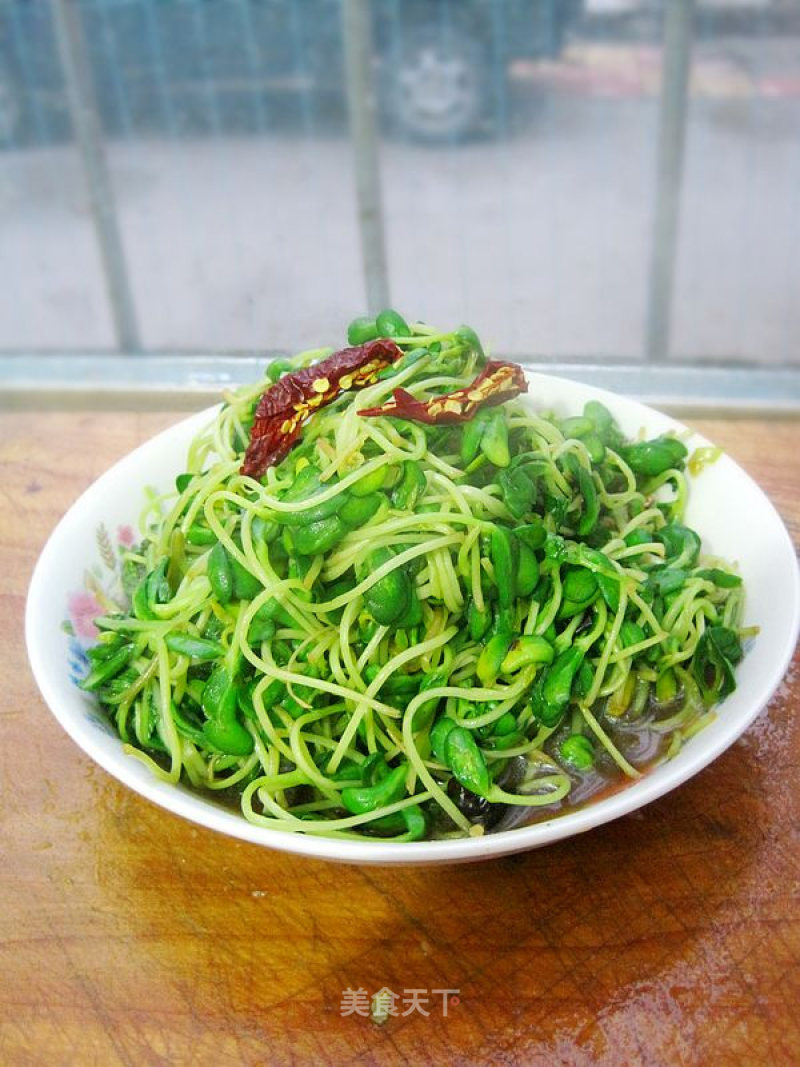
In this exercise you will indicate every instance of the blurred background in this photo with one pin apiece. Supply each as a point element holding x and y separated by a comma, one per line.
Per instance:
<point>595,180</point>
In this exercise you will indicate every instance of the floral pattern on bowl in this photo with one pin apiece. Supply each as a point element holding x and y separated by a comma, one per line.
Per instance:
<point>101,593</point>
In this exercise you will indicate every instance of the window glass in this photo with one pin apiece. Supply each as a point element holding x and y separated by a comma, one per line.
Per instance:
<point>517,151</point>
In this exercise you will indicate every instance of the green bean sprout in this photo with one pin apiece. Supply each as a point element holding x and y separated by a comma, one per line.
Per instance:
<point>406,624</point>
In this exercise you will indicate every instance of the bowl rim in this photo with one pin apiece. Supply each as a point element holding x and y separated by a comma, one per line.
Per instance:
<point>202,811</point>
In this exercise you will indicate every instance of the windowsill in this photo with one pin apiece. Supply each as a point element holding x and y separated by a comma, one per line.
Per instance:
<point>190,382</point>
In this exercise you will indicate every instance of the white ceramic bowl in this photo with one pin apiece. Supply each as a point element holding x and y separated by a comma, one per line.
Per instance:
<point>734,517</point>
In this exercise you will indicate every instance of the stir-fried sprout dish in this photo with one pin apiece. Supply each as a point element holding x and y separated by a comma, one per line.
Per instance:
<point>392,598</point>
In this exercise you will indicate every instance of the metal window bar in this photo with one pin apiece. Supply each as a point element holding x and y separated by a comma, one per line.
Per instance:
<point>362,108</point>
<point>679,18</point>
<point>86,126</point>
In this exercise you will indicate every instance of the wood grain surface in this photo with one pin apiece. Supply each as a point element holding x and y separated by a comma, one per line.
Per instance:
<point>128,936</point>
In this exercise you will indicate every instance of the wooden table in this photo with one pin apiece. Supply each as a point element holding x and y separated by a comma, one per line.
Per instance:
<point>129,936</point>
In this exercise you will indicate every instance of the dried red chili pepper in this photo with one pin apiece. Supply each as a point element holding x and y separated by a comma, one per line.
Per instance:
<point>496,383</point>
<point>286,405</point>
